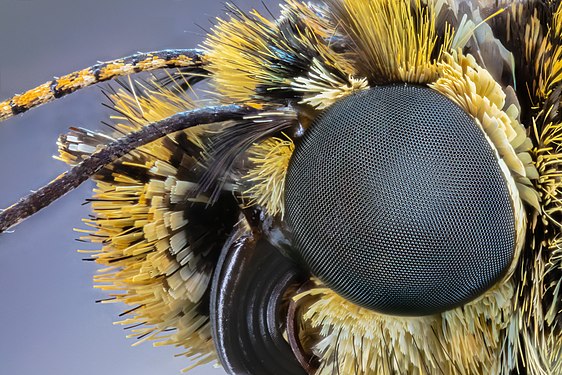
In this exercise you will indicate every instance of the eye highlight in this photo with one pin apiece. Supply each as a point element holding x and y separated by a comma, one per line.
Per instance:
<point>396,201</point>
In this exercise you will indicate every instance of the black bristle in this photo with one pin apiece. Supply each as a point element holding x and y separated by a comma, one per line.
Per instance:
<point>228,145</point>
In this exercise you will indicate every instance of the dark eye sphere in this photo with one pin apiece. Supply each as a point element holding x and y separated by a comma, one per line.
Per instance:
<point>396,201</point>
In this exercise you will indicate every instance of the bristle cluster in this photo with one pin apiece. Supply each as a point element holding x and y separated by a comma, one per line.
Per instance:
<point>545,51</point>
<point>548,122</point>
<point>230,145</point>
<point>548,156</point>
<point>322,90</point>
<point>261,62</point>
<point>267,177</point>
<point>394,41</point>
<point>541,269</point>
<point>531,30</point>
<point>472,339</point>
<point>237,50</point>
<point>463,81</point>
<point>146,217</point>
<point>539,306</point>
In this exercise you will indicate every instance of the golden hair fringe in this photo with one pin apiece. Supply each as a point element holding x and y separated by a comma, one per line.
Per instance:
<point>267,177</point>
<point>395,41</point>
<point>463,81</point>
<point>148,264</point>
<point>474,339</point>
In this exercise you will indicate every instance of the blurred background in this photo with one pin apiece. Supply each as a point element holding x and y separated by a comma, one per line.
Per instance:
<point>49,321</point>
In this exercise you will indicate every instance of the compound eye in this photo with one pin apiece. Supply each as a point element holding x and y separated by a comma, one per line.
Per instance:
<point>397,201</point>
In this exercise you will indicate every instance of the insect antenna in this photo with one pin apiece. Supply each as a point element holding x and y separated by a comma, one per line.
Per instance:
<point>185,59</point>
<point>68,181</point>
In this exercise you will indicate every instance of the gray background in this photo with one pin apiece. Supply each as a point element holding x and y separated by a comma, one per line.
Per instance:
<point>49,323</point>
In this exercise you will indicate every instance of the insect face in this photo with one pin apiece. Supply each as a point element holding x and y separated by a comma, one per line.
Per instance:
<point>353,186</point>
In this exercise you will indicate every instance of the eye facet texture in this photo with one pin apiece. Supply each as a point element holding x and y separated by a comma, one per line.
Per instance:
<point>396,200</point>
